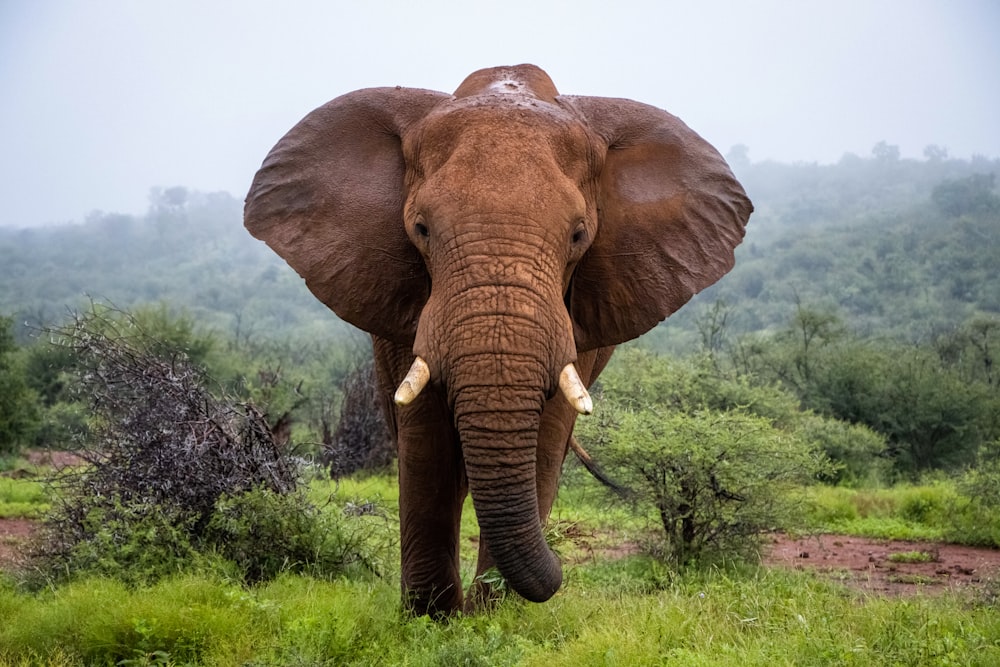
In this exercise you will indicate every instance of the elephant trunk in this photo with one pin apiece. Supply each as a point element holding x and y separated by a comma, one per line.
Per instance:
<point>499,428</point>
<point>498,344</point>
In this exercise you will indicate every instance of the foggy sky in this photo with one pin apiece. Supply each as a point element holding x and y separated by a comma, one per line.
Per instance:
<point>101,100</point>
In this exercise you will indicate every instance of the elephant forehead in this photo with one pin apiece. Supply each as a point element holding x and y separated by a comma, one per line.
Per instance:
<point>509,133</point>
<point>500,184</point>
<point>461,119</point>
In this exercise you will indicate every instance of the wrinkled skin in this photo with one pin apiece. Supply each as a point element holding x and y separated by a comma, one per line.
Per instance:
<point>499,234</point>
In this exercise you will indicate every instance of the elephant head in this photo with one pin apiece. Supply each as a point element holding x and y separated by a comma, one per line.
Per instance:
<point>498,233</point>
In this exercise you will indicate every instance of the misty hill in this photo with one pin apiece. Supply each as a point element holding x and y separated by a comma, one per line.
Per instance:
<point>896,247</point>
<point>189,251</point>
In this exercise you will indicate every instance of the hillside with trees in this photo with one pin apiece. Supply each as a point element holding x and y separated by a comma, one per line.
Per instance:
<point>867,292</point>
<point>899,248</point>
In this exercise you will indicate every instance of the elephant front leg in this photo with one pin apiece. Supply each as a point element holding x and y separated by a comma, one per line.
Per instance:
<point>432,489</point>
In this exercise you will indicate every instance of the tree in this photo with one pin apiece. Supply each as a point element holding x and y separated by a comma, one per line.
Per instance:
<point>885,153</point>
<point>965,196</point>
<point>738,157</point>
<point>361,440</point>
<point>931,417</point>
<point>715,480</point>
<point>935,153</point>
<point>715,477</point>
<point>18,403</point>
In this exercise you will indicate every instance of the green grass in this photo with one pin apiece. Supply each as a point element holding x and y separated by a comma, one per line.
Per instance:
<point>630,612</point>
<point>610,611</point>
<point>912,557</point>
<point>22,499</point>
<point>930,512</point>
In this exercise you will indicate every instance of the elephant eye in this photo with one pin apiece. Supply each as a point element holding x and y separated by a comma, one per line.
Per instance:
<point>580,235</point>
<point>421,230</point>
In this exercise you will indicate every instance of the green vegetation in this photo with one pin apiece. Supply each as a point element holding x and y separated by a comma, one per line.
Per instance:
<point>841,379</point>
<point>22,499</point>
<point>912,557</point>
<point>939,511</point>
<point>18,404</point>
<point>712,618</point>
<point>620,610</point>
<point>714,460</point>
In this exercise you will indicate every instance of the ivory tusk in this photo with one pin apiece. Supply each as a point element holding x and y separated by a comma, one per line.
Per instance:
<point>414,382</point>
<point>574,391</point>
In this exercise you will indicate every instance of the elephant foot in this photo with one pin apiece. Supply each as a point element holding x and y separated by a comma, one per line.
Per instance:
<point>438,605</point>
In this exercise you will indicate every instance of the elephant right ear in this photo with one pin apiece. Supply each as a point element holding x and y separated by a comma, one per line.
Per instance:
<point>329,200</point>
<point>670,214</point>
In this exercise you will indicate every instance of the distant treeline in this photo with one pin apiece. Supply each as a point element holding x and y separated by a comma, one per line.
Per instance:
<point>899,248</point>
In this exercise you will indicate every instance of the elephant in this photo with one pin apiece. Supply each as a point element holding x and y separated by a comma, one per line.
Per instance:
<point>497,244</point>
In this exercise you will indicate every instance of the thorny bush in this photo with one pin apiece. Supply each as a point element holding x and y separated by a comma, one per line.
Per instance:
<point>361,440</point>
<point>165,454</point>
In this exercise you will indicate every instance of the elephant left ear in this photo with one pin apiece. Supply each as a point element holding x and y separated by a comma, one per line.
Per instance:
<point>670,214</point>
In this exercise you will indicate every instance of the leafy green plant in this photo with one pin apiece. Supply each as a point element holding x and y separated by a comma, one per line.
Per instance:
<point>266,533</point>
<point>858,453</point>
<point>715,480</point>
<point>711,457</point>
<point>976,519</point>
<point>18,402</point>
<point>126,542</point>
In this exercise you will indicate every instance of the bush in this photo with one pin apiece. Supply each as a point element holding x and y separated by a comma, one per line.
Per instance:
<point>174,471</point>
<point>931,417</point>
<point>639,378</point>
<point>977,520</point>
<point>18,402</point>
<point>127,542</point>
<point>299,536</point>
<point>361,440</point>
<point>716,480</point>
<point>858,454</point>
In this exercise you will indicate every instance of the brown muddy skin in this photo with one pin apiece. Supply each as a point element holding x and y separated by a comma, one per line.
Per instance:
<point>500,234</point>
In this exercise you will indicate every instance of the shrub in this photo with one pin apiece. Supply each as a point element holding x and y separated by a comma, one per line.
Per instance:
<point>715,480</point>
<point>18,402</point>
<point>174,470</point>
<point>639,378</point>
<point>299,536</point>
<point>977,519</point>
<point>361,440</point>
<point>858,453</point>
<point>127,542</point>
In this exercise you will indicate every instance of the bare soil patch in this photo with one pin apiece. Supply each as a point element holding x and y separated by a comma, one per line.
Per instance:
<point>14,537</point>
<point>53,459</point>
<point>888,567</point>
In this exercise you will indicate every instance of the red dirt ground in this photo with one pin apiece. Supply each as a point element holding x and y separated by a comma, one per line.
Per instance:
<point>14,536</point>
<point>867,564</point>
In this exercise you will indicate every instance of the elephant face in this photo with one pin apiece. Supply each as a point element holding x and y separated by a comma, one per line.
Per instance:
<point>501,207</point>
<point>498,233</point>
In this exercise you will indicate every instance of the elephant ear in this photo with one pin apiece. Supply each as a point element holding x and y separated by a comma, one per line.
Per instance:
<point>329,200</point>
<point>670,214</point>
